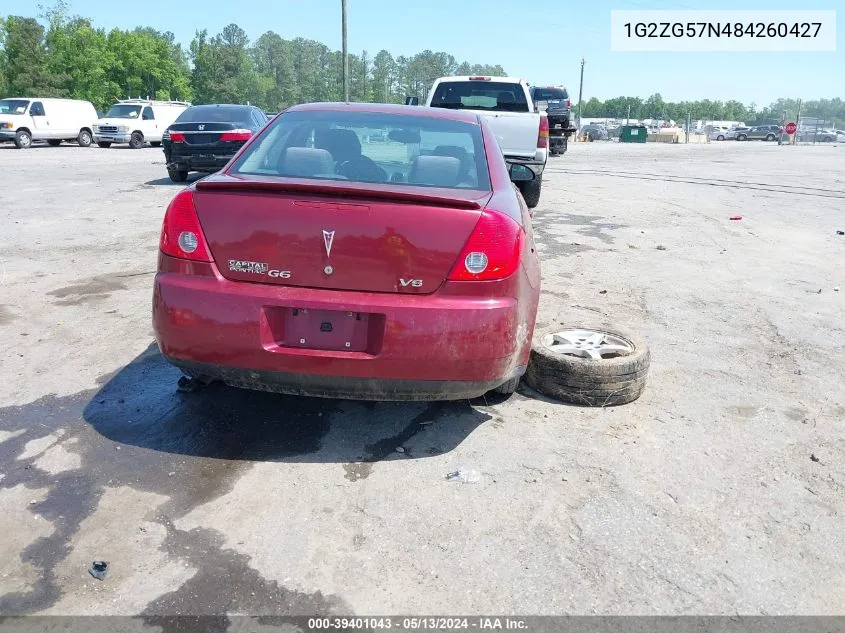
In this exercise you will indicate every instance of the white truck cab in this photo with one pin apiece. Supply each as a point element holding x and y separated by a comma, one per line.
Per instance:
<point>27,119</point>
<point>520,127</point>
<point>137,121</point>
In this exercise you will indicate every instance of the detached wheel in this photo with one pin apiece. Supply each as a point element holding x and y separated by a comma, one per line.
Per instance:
<point>531,191</point>
<point>23,140</point>
<point>177,175</point>
<point>136,141</point>
<point>104,144</point>
<point>84,139</point>
<point>588,366</point>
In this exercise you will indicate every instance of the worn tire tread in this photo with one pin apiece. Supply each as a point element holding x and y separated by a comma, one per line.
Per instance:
<point>581,381</point>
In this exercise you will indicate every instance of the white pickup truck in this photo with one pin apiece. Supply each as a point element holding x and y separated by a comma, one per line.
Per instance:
<point>505,102</point>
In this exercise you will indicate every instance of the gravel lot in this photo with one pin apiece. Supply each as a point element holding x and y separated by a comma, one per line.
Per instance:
<point>720,491</point>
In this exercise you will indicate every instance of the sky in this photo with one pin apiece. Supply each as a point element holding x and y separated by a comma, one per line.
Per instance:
<point>541,41</point>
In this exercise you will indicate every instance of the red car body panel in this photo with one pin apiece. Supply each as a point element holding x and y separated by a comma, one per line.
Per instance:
<point>386,339</point>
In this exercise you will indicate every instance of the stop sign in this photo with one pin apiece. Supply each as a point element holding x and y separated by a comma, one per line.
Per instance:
<point>790,128</point>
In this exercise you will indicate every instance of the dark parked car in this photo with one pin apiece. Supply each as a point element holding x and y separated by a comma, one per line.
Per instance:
<point>595,132</point>
<point>760,133</point>
<point>317,263</point>
<point>559,105</point>
<point>206,137</point>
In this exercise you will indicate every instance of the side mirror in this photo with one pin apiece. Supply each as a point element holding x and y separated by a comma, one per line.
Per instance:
<point>412,101</point>
<point>520,173</point>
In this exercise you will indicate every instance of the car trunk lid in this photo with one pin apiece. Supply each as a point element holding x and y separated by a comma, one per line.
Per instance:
<point>335,235</point>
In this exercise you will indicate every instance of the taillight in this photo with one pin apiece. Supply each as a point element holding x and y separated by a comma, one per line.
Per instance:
<point>177,137</point>
<point>181,234</point>
<point>543,136</point>
<point>568,104</point>
<point>492,252</point>
<point>236,135</point>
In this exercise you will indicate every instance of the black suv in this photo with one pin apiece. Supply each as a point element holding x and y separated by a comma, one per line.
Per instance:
<point>559,105</point>
<point>205,137</point>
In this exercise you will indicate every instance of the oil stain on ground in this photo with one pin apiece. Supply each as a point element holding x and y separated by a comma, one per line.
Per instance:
<point>137,431</point>
<point>94,289</point>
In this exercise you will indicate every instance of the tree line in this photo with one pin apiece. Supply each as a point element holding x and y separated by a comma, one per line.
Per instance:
<point>67,56</point>
<point>654,107</point>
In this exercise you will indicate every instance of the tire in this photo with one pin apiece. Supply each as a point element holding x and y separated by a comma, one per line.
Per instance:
<point>827,139</point>
<point>84,139</point>
<point>177,175</point>
<point>741,137</point>
<point>23,140</point>
<point>720,138</point>
<point>104,144</point>
<point>531,191</point>
<point>584,381</point>
<point>155,143</point>
<point>54,142</point>
<point>136,141</point>
<point>508,388</point>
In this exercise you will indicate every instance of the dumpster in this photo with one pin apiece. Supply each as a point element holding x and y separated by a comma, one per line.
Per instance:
<point>633,134</point>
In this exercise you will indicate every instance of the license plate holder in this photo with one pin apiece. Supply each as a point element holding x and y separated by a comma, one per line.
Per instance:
<point>331,330</point>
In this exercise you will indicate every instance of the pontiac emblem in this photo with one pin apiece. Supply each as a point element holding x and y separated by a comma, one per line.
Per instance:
<point>328,238</point>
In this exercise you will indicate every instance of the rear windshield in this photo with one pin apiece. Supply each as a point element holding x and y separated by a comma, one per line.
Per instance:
<point>549,94</point>
<point>480,95</point>
<point>215,114</point>
<point>370,147</point>
<point>13,106</point>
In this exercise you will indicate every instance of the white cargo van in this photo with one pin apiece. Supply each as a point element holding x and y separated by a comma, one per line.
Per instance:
<point>137,121</point>
<point>27,119</point>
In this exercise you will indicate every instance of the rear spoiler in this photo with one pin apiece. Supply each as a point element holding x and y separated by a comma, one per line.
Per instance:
<point>343,191</point>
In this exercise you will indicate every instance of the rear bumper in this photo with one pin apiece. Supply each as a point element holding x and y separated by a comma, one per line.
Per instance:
<point>441,346</point>
<point>193,163</point>
<point>347,388</point>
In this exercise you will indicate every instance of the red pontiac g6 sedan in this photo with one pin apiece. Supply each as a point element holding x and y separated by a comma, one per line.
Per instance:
<point>353,251</point>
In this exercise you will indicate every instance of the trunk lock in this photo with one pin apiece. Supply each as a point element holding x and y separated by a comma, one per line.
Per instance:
<point>328,270</point>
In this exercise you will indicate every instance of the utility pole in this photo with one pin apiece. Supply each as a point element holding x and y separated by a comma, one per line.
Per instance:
<point>628,118</point>
<point>345,52</point>
<point>797,122</point>
<point>580,92</point>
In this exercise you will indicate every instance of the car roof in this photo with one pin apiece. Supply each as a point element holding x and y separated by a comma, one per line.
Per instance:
<point>386,108</point>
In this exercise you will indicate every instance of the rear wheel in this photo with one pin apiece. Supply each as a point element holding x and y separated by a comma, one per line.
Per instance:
<point>104,144</point>
<point>177,175</point>
<point>53,142</point>
<point>531,191</point>
<point>827,139</point>
<point>720,138</point>
<point>84,139</point>
<point>770,137</point>
<point>507,388</point>
<point>136,141</point>
<point>23,140</point>
<point>741,137</point>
